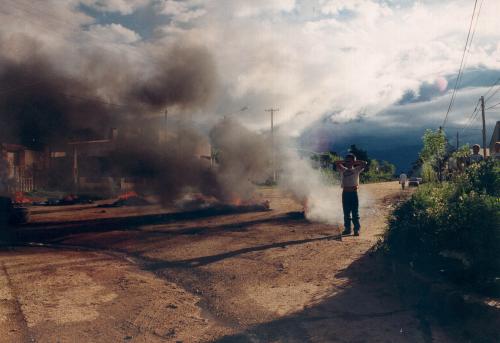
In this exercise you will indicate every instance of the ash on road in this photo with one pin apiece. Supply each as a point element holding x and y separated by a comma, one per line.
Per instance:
<point>249,277</point>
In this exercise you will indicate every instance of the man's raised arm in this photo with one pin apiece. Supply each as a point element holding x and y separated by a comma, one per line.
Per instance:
<point>340,165</point>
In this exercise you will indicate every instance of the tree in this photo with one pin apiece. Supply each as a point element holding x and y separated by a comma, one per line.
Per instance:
<point>382,171</point>
<point>434,147</point>
<point>326,159</point>
<point>387,168</point>
<point>433,153</point>
<point>359,153</point>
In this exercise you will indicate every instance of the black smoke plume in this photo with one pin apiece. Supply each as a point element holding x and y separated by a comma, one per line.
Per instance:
<point>43,104</point>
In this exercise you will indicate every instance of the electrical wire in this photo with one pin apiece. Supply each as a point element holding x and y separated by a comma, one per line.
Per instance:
<point>471,117</point>
<point>492,94</point>
<point>489,108</point>
<point>460,76</point>
<point>460,69</point>
<point>489,90</point>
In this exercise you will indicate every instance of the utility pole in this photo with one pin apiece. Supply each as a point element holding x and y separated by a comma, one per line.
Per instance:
<point>457,141</point>
<point>273,168</point>
<point>484,127</point>
<point>165,117</point>
<point>75,167</point>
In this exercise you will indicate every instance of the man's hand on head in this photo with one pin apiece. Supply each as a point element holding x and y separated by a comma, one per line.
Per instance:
<point>340,165</point>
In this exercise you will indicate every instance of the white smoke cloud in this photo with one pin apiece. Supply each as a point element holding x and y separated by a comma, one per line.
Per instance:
<point>114,33</point>
<point>320,196</point>
<point>121,6</point>
<point>344,57</point>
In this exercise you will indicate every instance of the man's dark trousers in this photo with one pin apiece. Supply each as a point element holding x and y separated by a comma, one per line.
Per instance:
<point>350,205</point>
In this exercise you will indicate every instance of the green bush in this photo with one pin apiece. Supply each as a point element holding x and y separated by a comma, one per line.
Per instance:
<point>453,228</point>
<point>378,172</point>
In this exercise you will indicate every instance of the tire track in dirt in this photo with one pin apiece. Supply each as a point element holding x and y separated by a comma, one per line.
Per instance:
<point>145,318</point>
<point>19,316</point>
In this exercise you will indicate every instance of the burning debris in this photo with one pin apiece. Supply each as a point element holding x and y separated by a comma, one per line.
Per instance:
<point>128,199</point>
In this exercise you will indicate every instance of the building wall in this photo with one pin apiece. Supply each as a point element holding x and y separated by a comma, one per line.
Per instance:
<point>495,137</point>
<point>23,167</point>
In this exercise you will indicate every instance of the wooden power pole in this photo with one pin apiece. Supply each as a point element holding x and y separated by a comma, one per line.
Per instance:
<point>273,155</point>
<point>484,127</point>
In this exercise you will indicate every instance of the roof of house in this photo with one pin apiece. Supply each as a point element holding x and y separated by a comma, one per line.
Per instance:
<point>13,147</point>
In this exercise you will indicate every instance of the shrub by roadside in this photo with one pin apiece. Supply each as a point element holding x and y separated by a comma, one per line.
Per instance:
<point>452,229</point>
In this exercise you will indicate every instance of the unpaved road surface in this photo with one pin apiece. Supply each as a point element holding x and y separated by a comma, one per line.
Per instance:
<point>267,276</point>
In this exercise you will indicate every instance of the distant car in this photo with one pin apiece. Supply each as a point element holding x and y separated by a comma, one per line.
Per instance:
<point>414,181</point>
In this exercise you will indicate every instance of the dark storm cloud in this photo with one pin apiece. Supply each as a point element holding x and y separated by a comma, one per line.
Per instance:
<point>477,77</point>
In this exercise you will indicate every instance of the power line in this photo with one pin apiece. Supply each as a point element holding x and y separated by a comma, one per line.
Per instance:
<point>460,76</point>
<point>489,90</point>
<point>471,117</point>
<point>471,121</point>
<point>493,94</point>
<point>460,69</point>
<point>461,128</point>
<point>493,106</point>
<point>475,25</point>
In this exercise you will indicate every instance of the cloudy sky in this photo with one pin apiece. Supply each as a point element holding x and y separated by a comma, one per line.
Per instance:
<point>371,72</point>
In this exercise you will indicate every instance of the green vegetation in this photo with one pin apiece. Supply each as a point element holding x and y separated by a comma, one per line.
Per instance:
<point>375,171</point>
<point>432,154</point>
<point>383,171</point>
<point>325,162</point>
<point>462,153</point>
<point>452,229</point>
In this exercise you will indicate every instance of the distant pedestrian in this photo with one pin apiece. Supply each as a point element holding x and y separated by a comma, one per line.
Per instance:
<point>349,170</point>
<point>402,180</point>
<point>475,157</point>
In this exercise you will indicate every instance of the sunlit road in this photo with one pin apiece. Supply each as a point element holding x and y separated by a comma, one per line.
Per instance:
<point>250,277</point>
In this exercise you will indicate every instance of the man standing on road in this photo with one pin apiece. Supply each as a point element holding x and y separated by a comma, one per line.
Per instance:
<point>349,170</point>
<point>402,180</point>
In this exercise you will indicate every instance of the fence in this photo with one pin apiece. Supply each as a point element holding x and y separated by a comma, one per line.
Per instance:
<point>22,181</point>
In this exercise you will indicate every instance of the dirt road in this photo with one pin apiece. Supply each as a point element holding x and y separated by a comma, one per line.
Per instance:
<point>250,277</point>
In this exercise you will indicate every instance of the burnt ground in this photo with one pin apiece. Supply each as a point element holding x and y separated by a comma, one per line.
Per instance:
<point>88,274</point>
